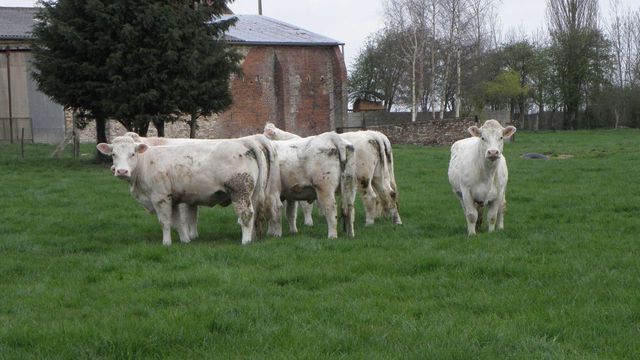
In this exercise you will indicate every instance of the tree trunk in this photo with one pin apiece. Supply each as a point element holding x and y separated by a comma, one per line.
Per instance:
<point>414,91</point>
<point>192,125</point>
<point>141,129</point>
<point>101,137</point>
<point>159,125</point>
<point>459,82</point>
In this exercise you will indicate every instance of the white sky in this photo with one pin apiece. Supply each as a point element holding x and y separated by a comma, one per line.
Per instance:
<point>351,21</point>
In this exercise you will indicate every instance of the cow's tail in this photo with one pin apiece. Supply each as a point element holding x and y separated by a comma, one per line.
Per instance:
<point>258,197</point>
<point>269,208</point>
<point>346,154</point>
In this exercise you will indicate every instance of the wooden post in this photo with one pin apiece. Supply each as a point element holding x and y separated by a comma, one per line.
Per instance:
<point>76,138</point>
<point>22,144</point>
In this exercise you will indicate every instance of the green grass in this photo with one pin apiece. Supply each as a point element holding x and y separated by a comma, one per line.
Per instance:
<point>83,274</point>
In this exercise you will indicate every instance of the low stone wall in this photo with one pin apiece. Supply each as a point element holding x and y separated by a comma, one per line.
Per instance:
<point>426,133</point>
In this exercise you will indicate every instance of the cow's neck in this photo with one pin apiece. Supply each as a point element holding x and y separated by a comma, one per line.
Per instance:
<point>489,168</point>
<point>137,180</point>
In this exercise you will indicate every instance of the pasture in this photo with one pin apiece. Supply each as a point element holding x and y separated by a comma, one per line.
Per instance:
<point>83,273</point>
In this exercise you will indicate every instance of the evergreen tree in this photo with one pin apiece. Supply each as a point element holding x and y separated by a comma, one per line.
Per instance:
<point>131,59</point>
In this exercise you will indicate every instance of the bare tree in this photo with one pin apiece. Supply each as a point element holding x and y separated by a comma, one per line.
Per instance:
<point>410,18</point>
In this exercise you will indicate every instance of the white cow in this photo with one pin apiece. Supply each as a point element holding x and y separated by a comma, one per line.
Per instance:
<point>478,174</point>
<point>225,172</point>
<point>189,213</point>
<point>375,174</point>
<point>314,168</point>
<point>273,133</point>
<point>374,171</point>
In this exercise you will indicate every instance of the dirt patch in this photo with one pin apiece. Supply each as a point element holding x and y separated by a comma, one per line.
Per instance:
<point>561,157</point>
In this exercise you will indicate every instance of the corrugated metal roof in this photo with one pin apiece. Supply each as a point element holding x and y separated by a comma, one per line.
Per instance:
<point>263,30</point>
<point>16,22</point>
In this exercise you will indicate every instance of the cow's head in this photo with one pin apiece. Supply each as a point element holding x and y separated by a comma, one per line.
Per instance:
<point>270,131</point>
<point>492,136</point>
<point>124,152</point>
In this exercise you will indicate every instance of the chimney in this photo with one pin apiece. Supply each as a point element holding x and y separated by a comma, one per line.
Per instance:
<point>259,7</point>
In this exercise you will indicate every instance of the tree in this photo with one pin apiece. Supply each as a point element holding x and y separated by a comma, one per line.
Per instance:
<point>201,85</point>
<point>375,74</point>
<point>576,46</point>
<point>410,18</point>
<point>504,89</point>
<point>126,59</point>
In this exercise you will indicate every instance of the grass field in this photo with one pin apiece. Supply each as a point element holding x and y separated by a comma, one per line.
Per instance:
<point>83,274</point>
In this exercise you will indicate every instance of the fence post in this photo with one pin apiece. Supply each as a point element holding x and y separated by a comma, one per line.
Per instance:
<point>22,144</point>
<point>76,139</point>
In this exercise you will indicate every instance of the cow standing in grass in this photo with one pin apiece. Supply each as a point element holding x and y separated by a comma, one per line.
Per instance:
<point>189,213</point>
<point>163,177</point>
<point>315,168</point>
<point>374,172</point>
<point>478,174</point>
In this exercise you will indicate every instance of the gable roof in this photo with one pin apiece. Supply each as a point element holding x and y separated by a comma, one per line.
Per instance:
<point>263,30</point>
<point>16,22</point>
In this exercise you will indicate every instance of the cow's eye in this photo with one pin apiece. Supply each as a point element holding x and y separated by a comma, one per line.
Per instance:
<point>131,155</point>
<point>482,138</point>
<point>500,137</point>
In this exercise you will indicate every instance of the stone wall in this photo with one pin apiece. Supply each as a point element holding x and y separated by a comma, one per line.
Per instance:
<point>427,133</point>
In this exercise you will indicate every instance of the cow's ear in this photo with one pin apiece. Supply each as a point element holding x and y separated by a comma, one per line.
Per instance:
<point>508,131</point>
<point>140,148</point>
<point>105,148</point>
<point>475,131</point>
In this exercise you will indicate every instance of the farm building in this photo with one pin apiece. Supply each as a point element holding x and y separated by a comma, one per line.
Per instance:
<point>291,77</point>
<point>23,109</point>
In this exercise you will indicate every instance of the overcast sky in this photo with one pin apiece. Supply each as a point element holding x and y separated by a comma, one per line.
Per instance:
<point>351,21</point>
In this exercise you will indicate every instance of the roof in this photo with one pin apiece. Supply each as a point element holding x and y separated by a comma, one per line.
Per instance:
<point>263,30</point>
<point>16,22</point>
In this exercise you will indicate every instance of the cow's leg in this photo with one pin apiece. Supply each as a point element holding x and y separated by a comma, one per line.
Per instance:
<point>275,223</point>
<point>501,211</point>
<point>164,211</point>
<point>292,216</point>
<point>191,218</point>
<point>349,213</point>
<point>492,214</point>
<point>244,210</point>
<point>369,200</point>
<point>179,221</point>
<point>241,187</point>
<point>307,211</point>
<point>480,210</point>
<point>327,202</point>
<point>388,199</point>
<point>470,211</point>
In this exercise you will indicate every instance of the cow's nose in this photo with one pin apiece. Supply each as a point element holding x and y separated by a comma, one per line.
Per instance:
<point>493,154</point>
<point>122,172</point>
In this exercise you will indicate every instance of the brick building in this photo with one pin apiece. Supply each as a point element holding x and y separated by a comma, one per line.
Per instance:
<point>291,77</point>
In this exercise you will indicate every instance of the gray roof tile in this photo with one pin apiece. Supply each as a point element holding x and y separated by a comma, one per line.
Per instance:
<point>16,22</point>
<point>263,30</point>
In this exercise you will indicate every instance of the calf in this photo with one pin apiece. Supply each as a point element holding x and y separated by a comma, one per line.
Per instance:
<point>223,172</point>
<point>478,174</point>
